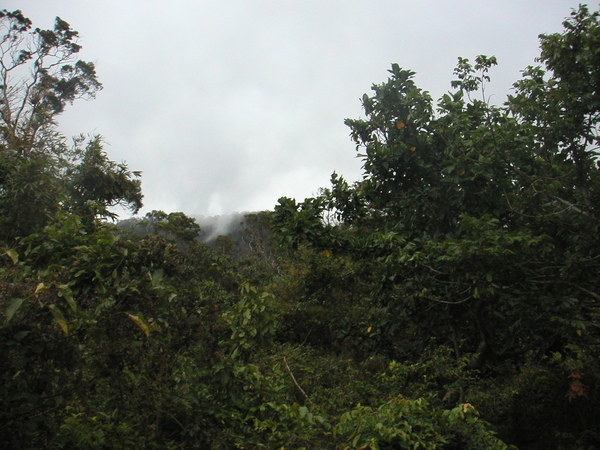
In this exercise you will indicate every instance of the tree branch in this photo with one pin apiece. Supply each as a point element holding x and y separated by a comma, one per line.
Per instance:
<point>294,380</point>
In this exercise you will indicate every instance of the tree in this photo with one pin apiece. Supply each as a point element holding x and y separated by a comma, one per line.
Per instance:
<point>39,172</point>
<point>475,210</point>
<point>176,226</point>
<point>295,224</point>
<point>96,184</point>
<point>480,222</point>
<point>39,75</point>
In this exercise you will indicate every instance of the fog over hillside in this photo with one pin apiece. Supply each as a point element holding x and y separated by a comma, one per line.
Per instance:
<point>211,227</point>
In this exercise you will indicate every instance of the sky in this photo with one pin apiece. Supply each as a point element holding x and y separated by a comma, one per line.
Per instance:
<point>226,106</point>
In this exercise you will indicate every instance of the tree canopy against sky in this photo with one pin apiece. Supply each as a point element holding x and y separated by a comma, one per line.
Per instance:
<point>39,172</point>
<point>258,91</point>
<point>476,210</point>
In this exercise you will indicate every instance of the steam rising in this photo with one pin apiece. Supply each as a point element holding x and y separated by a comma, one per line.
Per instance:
<point>214,226</point>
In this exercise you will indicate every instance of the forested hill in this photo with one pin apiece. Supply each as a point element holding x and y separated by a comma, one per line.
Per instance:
<point>238,235</point>
<point>449,299</point>
<point>205,228</point>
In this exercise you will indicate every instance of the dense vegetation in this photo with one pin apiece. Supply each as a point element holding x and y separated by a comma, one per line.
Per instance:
<point>449,299</point>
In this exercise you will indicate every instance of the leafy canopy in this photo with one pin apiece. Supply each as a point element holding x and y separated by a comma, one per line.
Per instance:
<point>39,173</point>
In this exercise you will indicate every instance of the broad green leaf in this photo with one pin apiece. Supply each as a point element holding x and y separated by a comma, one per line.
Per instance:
<point>65,292</point>
<point>60,318</point>
<point>12,308</point>
<point>13,255</point>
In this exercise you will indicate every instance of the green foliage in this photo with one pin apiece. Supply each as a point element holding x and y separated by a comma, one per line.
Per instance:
<point>321,301</point>
<point>96,184</point>
<point>448,295</point>
<point>97,312</point>
<point>477,221</point>
<point>39,174</point>
<point>29,191</point>
<point>561,102</point>
<point>55,79</point>
<point>251,322</point>
<point>297,224</point>
<point>176,226</point>
<point>473,210</point>
<point>402,423</point>
<point>291,425</point>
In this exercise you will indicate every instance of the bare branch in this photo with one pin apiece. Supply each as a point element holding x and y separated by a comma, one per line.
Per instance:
<point>294,380</point>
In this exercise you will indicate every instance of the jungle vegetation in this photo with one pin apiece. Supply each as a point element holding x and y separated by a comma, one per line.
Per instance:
<point>449,299</point>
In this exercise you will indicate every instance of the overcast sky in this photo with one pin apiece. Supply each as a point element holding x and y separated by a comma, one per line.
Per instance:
<point>225,106</point>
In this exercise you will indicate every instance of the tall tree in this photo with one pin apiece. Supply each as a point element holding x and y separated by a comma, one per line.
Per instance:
<point>484,218</point>
<point>39,75</point>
